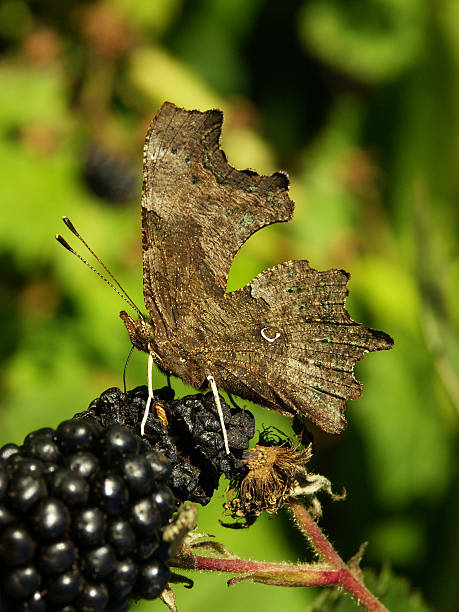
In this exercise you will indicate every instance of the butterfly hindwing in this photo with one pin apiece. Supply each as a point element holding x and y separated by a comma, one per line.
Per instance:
<point>296,345</point>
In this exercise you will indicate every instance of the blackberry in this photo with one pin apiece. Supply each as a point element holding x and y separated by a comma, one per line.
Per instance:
<point>83,506</point>
<point>82,510</point>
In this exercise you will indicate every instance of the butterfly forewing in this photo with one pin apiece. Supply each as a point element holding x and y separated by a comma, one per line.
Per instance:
<point>197,211</point>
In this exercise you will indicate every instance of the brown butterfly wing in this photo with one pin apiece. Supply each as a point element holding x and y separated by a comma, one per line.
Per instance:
<point>197,211</point>
<point>308,368</point>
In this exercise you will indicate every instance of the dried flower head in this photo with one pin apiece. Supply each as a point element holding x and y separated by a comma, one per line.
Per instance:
<point>276,470</point>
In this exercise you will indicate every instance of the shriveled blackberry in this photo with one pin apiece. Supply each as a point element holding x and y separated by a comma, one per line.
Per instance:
<point>82,509</point>
<point>192,440</point>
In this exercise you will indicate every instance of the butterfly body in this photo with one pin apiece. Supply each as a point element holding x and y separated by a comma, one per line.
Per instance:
<point>284,340</point>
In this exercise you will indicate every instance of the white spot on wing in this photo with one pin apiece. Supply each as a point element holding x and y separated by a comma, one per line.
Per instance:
<point>267,338</point>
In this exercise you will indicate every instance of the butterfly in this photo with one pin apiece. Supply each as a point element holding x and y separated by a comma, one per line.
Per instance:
<point>285,340</point>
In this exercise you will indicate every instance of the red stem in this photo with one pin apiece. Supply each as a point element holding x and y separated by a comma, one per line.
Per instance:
<point>333,572</point>
<point>345,576</point>
<point>280,574</point>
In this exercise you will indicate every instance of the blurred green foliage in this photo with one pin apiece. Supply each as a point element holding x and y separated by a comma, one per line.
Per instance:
<point>358,101</point>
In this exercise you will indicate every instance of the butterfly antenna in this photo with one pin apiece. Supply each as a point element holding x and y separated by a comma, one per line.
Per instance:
<point>121,291</point>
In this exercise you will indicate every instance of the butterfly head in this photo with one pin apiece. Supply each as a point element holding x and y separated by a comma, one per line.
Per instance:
<point>141,332</point>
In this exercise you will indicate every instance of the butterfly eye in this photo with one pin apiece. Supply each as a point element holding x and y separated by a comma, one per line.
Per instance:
<point>266,337</point>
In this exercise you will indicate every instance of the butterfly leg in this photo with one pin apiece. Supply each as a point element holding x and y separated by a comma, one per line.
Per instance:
<point>150,394</point>
<point>125,368</point>
<point>213,386</point>
<point>232,400</point>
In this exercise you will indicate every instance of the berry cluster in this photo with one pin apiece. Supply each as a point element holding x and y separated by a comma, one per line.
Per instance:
<point>82,509</point>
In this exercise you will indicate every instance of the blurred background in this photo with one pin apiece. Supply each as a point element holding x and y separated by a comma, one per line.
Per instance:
<point>358,101</point>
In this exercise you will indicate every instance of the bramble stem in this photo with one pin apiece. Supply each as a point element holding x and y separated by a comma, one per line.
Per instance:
<point>349,578</point>
<point>277,574</point>
<point>332,571</point>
